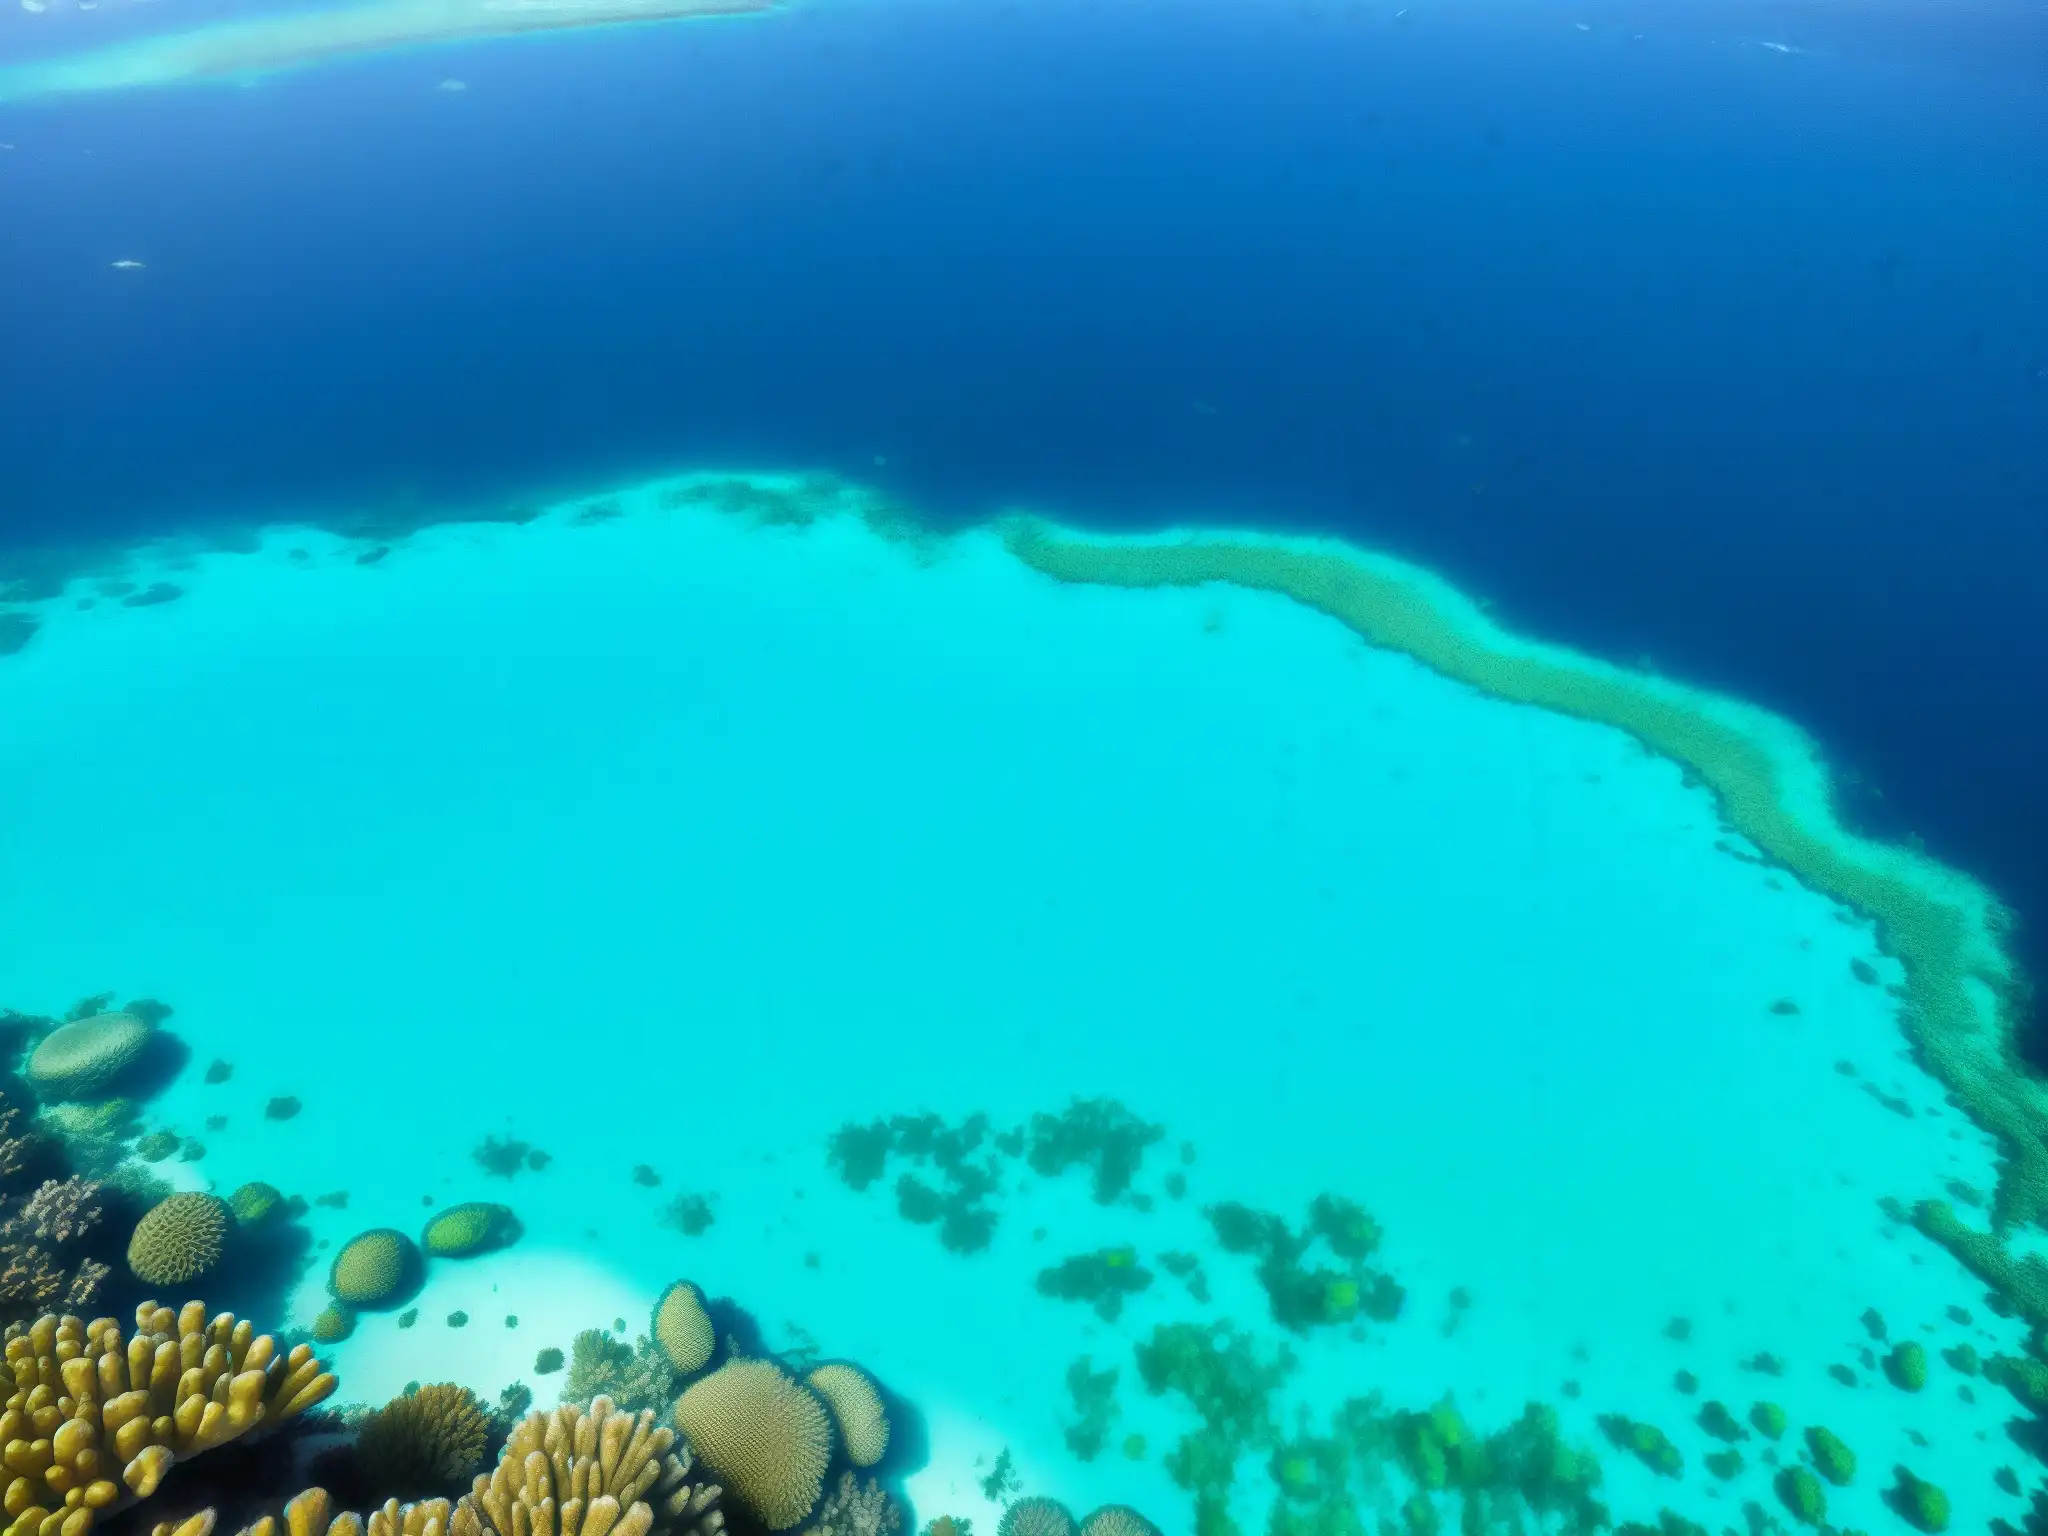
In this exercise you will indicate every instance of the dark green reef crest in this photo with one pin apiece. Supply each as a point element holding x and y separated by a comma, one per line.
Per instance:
<point>1963,992</point>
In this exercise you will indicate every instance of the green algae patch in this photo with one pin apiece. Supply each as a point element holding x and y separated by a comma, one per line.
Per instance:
<point>1802,1495</point>
<point>1918,1502</point>
<point>1906,1367</point>
<point>1646,1442</point>
<point>1230,1384</point>
<point>1303,1288</point>
<point>1717,1421</point>
<point>1725,1463</point>
<point>1093,1394</point>
<point>1100,1135</point>
<point>1102,1279</point>
<point>1831,1458</point>
<point>1962,992</point>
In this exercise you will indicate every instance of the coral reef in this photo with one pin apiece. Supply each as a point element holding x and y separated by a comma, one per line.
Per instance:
<point>374,1269</point>
<point>766,1437</point>
<point>333,1325</point>
<point>1646,1442</point>
<point>633,1376</point>
<point>1918,1502</point>
<point>1305,1294</point>
<point>476,1227</point>
<point>81,1059</point>
<point>178,1239</point>
<point>93,1421</point>
<point>502,1158</point>
<point>1906,1366</point>
<point>860,1155</point>
<point>1118,1520</point>
<point>254,1202</point>
<point>312,1514</point>
<point>1036,1517</point>
<point>426,1441</point>
<point>547,1362</point>
<point>1801,1494</point>
<point>1098,1134</point>
<point>1094,1397</point>
<point>682,1328</point>
<point>1102,1279</point>
<point>1831,1458</point>
<point>857,1509</point>
<point>856,1406</point>
<point>1769,1420</point>
<point>620,1474</point>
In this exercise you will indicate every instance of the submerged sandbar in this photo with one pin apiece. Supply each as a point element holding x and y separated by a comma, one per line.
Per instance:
<point>262,44</point>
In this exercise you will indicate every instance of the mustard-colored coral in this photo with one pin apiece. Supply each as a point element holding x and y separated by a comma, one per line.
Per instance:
<point>178,1239</point>
<point>78,1060</point>
<point>683,1329</point>
<point>764,1435</point>
<point>93,1420</point>
<point>595,1473</point>
<point>312,1513</point>
<point>430,1438</point>
<point>333,1325</point>
<point>373,1268</point>
<point>1118,1520</point>
<point>1036,1516</point>
<point>856,1404</point>
<point>471,1228</point>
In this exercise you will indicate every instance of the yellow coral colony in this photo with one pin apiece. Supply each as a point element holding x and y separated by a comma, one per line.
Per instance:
<point>856,1405</point>
<point>312,1513</point>
<point>572,1473</point>
<point>682,1328</point>
<point>766,1437</point>
<point>93,1422</point>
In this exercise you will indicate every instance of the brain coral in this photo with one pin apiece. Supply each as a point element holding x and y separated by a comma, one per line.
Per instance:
<point>1118,1520</point>
<point>120,1412</point>
<point>373,1268</point>
<point>462,1230</point>
<point>633,1479</point>
<point>1036,1517</point>
<point>856,1404</point>
<point>682,1328</point>
<point>178,1239</point>
<point>428,1439</point>
<point>763,1435</point>
<point>78,1060</point>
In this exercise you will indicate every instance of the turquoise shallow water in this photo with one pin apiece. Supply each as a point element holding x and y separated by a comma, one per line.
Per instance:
<point>658,834</point>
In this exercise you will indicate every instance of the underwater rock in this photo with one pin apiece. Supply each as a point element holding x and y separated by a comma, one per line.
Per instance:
<point>218,1071</point>
<point>283,1107</point>
<point>178,1239</point>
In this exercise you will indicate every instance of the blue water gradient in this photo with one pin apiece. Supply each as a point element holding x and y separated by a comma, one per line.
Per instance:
<point>1677,345</point>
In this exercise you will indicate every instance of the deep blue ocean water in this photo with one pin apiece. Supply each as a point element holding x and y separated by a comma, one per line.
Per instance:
<point>1675,345</point>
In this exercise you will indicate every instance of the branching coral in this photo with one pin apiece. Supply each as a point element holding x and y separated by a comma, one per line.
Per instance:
<point>33,1280</point>
<point>93,1421</point>
<point>766,1437</point>
<point>857,1509</point>
<point>600,1473</point>
<point>178,1239</point>
<point>634,1376</point>
<point>63,1210</point>
<point>426,1440</point>
<point>312,1513</point>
